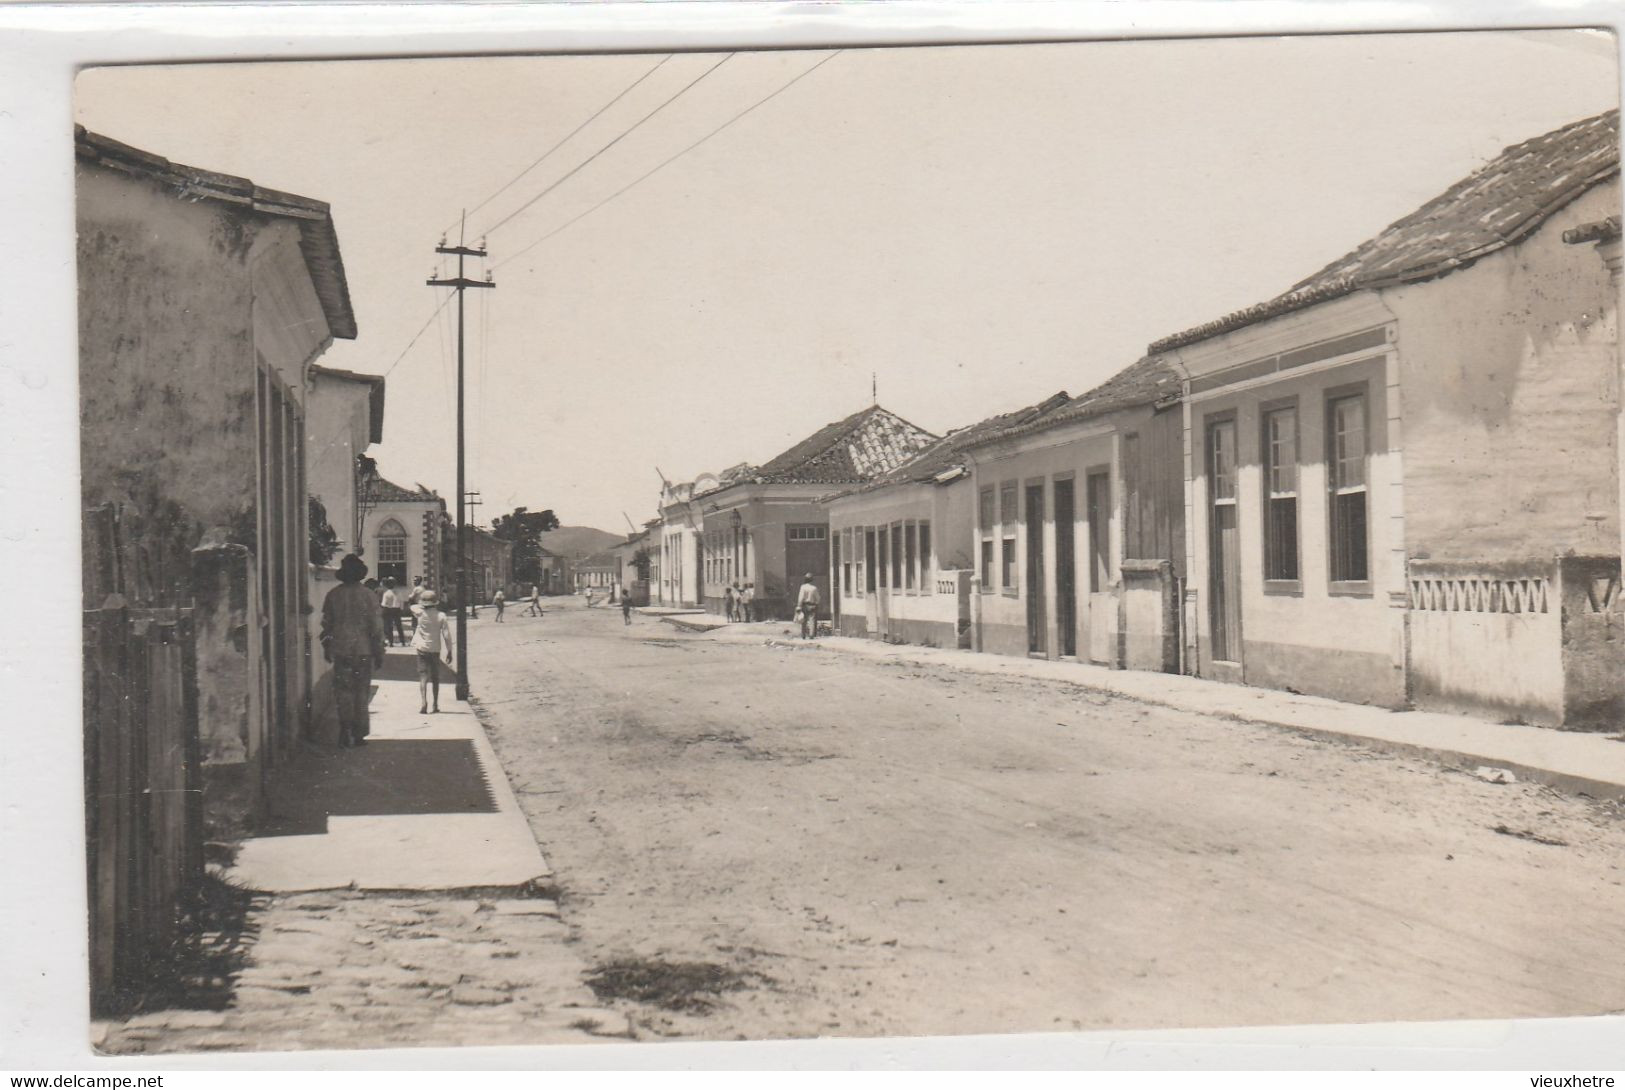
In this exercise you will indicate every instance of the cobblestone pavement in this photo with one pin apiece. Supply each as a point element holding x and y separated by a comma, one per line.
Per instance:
<point>351,970</point>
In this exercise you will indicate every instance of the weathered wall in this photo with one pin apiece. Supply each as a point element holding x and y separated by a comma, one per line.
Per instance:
<point>166,357</point>
<point>337,415</point>
<point>1154,488</point>
<point>1511,395</point>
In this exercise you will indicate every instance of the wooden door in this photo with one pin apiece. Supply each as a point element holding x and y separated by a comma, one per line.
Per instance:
<point>1224,545</point>
<point>1037,643</point>
<point>1066,582</point>
<point>1097,498</point>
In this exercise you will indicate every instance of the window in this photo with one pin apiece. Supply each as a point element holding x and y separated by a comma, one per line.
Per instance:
<point>1346,482</point>
<point>984,524</point>
<point>806,533</point>
<point>391,543</point>
<point>1280,449</point>
<point>926,568</point>
<point>870,566</point>
<point>1009,516</point>
<point>897,556</point>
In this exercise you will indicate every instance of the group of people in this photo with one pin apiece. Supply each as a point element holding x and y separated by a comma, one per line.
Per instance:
<point>740,604</point>
<point>360,617</point>
<point>740,601</point>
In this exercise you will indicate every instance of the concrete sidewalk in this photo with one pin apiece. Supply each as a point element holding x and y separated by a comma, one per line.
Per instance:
<point>424,805</point>
<point>1572,761</point>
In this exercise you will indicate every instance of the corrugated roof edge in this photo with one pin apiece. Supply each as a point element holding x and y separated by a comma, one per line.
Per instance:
<point>318,239</point>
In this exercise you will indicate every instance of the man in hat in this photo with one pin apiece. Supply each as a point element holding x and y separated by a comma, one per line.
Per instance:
<point>353,641</point>
<point>807,606</point>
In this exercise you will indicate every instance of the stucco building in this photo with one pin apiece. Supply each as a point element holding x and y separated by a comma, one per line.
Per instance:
<point>902,547</point>
<point>765,525</point>
<point>1077,539</point>
<point>1402,474</point>
<point>344,415</point>
<point>403,531</point>
<point>490,565</point>
<point>205,300</point>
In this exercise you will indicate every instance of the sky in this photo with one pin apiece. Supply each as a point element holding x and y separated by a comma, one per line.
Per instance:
<point>969,228</point>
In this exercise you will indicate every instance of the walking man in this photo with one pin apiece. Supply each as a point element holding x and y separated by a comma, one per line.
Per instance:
<point>391,602</point>
<point>747,603</point>
<point>807,606</point>
<point>353,641</point>
<point>535,609</point>
<point>626,608</point>
<point>499,601</point>
<point>430,639</point>
<point>728,602</point>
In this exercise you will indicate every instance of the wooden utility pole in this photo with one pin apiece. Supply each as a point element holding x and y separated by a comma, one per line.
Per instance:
<point>461,283</point>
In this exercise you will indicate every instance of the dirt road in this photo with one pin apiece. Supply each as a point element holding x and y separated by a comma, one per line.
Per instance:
<point>759,842</point>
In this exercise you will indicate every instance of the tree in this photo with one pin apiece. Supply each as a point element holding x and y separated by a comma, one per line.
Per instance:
<point>525,529</point>
<point>641,560</point>
<point>324,540</point>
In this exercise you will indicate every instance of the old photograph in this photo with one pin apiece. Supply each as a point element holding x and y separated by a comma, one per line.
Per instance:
<point>851,542</point>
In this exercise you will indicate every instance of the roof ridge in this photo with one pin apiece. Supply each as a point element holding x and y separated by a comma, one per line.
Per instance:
<point>1496,205</point>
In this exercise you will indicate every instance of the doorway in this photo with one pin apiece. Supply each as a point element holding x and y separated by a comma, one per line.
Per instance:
<point>1037,644</point>
<point>1224,545</point>
<point>1097,498</point>
<point>1066,563</point>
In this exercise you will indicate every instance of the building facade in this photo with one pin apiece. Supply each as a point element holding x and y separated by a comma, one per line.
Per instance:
<point>403,532</point>
<point>344,416</point>
<point>1402,476</point>
<point>600,571</point>
<point>490,566</point>
<point>767,526</point>
<point>1076,541</point>
<point>205,301</point>
<point>681,557</point>
<point>901,547</point>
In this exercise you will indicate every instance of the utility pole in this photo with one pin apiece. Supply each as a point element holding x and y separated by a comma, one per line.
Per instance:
<point>460,283</point>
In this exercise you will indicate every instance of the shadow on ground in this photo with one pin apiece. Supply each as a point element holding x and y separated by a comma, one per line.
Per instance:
<point>388,776</point>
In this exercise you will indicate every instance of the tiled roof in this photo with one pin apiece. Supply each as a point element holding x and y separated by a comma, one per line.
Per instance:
<point>1496,206</point>
<point>948,453</point>
<point>387,491</point>
<point>1146,381</point>
<point>851,451</point>
<point>317,238</point>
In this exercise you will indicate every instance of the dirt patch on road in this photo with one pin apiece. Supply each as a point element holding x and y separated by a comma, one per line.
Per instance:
<point>688,987</point>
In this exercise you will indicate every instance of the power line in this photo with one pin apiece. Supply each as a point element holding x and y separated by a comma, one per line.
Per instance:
<point>546,154</point>
<point>647,174</point>
<point>416,335</point>
<point>628,132</point>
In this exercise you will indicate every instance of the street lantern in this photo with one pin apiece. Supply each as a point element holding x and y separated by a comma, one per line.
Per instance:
<point>735,519</point>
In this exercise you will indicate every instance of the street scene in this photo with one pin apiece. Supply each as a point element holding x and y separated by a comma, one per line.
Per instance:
<point>811,544</point>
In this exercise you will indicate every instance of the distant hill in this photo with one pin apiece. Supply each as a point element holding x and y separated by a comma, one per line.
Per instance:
<point>578,542</point>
